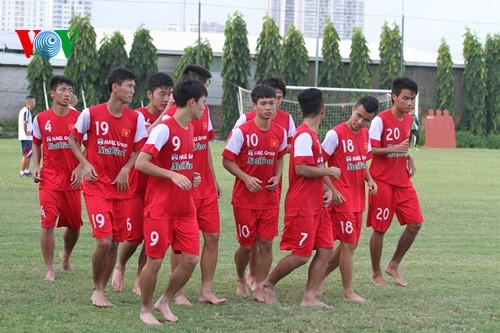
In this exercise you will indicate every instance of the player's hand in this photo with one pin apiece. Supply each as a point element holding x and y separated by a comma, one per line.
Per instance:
<point>170,102</point>
<point>327,197</point>
<point>76,176</point>
<point>218,189</point>
<point>182,181</point>
<point>253,184</point>
<point>89,172</point>
<point>372,187</point>
<point>337,198</point>
<point>402,147</point>
<point>410,165</point>
<point>121,181</point>
<point>196,179</point>
<point>273,183</point>
<point>37,174</point>
<point>334,172</point>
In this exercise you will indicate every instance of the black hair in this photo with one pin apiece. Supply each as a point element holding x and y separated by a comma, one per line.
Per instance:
<point>262,91</point>
<point>311,102</point>
<point>60,79</point>
<point>188,89</point>
<point>29,97</point>
<point>197,73</point>
<point>276,82</point>
<point>118,75</point>
<point>160,80</point>
<point>370,104</point>
<point>401,83</point>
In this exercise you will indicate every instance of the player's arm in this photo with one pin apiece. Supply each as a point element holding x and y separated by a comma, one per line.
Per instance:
<point>218,189</point>
<point>372,186</point>
<point>252,183</point>
<point>144,164</point>
<point>273,182</point>
<point>411,166</point>
<point>37,151</point>
<point>121,180</point>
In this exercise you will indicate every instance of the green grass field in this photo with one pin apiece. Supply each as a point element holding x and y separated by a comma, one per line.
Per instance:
<point>453,267</point>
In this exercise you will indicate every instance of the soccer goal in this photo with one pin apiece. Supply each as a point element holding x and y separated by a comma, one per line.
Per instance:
<point>338,102</point>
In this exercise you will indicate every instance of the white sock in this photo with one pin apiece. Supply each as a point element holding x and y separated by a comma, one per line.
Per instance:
<point>27,171</point>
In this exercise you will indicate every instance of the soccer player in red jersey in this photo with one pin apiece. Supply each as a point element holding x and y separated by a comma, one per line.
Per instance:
<point>392,168</point>
<point>205,196</point>
<point>306,196</point>
<point>285,120</point>
<point>254,155</point>
<point>167,157</point>
<point>347,147</point>
<point>114,135</point>
<point>60,176</point>
<point>159,90</point>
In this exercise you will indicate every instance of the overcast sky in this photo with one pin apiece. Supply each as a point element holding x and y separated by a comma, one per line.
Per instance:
<point>426,21</point>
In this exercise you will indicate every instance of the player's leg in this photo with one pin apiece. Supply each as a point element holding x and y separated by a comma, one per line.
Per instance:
<point>180,297</point>
<point>246,231</point>
<point>409,213</point>
<point>327,214</point>
<point>103,260</point>
<point>141,262</point>
<point>252,264</point>
<point>346,269</point>
<point>207,210</point>
<point>149,276</point>
<point>135,236</point>
<point>208,263</point>
<point>178,278</point>
<point>380,214</point>
<point>71,217</point>
<point>48,244</point>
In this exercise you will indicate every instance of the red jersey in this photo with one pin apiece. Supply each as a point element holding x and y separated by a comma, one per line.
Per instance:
<point>349,151</point>
<point>110,142</point>
<point>305,195</point>
<point>255,152</point>
<point>172,148</point>
<point>51,131</point>
<point>282,118</point>
<point>136,179</point>
<point>387,131</point>
<point>203,132</point>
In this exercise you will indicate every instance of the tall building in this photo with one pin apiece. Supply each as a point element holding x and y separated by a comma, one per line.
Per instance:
<point>59,12</point>
<point>22,14</point>
<point>304,14</point>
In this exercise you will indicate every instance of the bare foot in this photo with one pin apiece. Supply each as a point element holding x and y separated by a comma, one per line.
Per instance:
<point>118,278</point>
<point>51,274</point>
<point>314,302</point>
<point>241,288</point>
<point>354,298</point>
<point>137,287</point>
<point>258,295</point>
<point>269,294</point>
<point>163,307</point>
<point>250,281</point>
<point>379,281</point>
<point>65,265</point>
<point>99,300</point>
<point>148,318</point>
<point>182,300</point>
<point>210,298</point>
<point>395,274</point>
<point>319,291</point>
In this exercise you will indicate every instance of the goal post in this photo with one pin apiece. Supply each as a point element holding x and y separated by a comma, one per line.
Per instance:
<point>338,102</point>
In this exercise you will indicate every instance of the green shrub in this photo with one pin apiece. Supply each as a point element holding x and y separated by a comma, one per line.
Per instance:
<point>493,141</point>
<point>467,139</point>
<point>8,128</point>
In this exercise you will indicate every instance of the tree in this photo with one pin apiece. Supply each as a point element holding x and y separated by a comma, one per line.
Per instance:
<point>473,117</point>
<point>268,51</point>
<point>330,70</point>
<point>39,71</point>
<point>143,61</point>
<point>359,74</point>
<point>445,79</point>
<point>111,55</point>
<point>390,49</point>
<point>235,68</point>
<point>190,57</point>
<point>83,66</point>
<point>295,61</point>
<point>492,100</point>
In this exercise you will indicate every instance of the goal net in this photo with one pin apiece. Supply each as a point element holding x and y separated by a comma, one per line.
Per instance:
<point>338,102</point>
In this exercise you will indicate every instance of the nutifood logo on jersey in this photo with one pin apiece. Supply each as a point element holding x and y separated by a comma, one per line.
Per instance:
<point>47,43</point>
